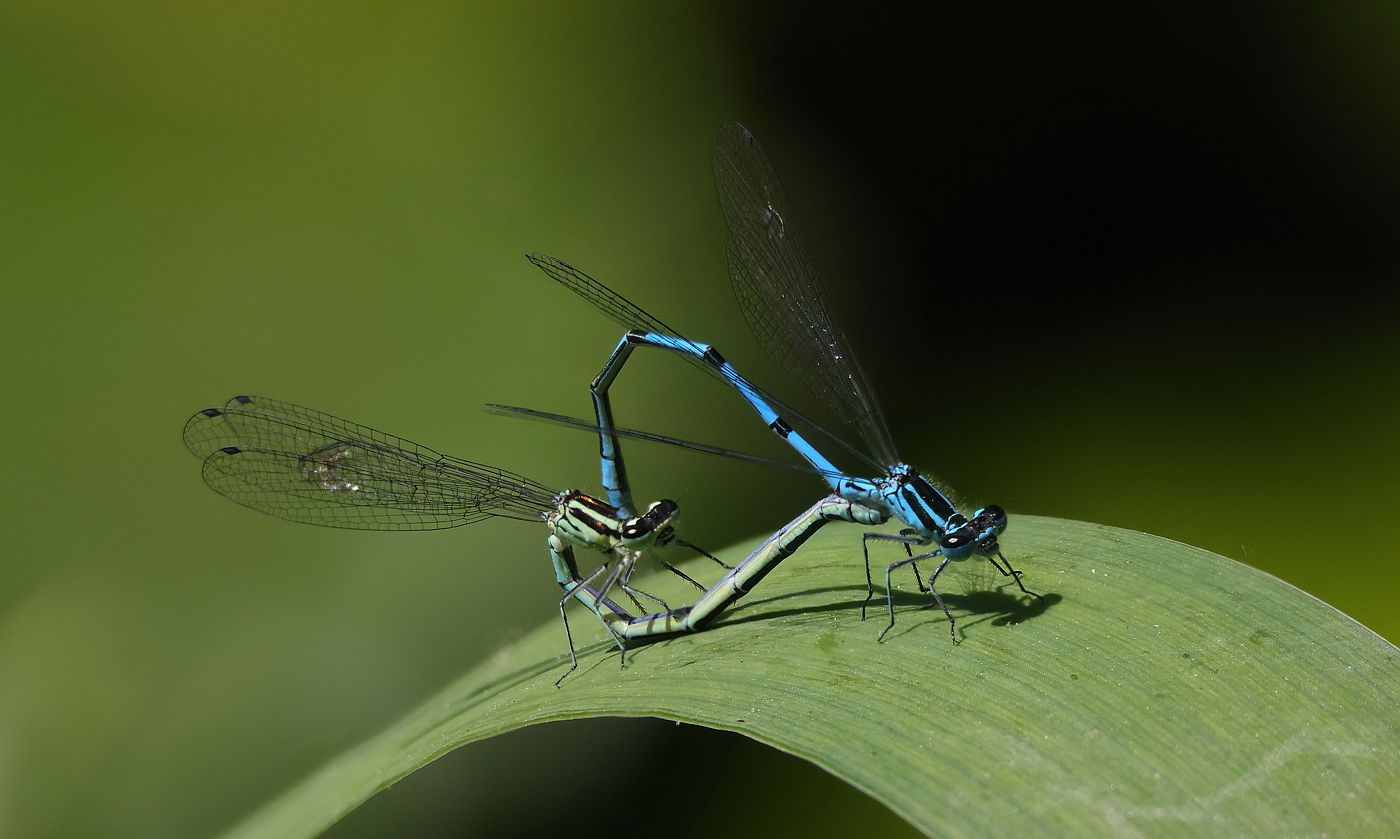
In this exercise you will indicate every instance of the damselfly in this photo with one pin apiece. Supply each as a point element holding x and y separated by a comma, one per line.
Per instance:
<point>743,577</point>
<point>787,310</point>
<point>307,466</point>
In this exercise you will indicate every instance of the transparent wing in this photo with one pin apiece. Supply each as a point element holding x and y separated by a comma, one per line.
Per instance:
<point>649,436</point>
<point>307,466</point>
<point>632,316</point>
<point>604,299</point>
<point>780,294</point>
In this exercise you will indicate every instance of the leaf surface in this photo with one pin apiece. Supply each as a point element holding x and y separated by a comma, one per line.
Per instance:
<point>1158,689</point>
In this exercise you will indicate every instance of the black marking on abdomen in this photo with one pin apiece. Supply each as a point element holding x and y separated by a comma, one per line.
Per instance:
<point>718,610</point>
<point>781,427</point>
<point>675,614</point>
<point>713,357</point>
<point>765,570</point>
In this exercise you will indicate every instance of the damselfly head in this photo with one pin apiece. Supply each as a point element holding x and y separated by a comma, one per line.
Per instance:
<point>989,522</point>
<point>990,517</point>
<point>959,542</point>
<point>665,512</point>
<point>662,511</point>
<point>657,524</point>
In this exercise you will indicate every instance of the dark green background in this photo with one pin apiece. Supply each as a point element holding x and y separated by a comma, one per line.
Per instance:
<point>1130,266</point>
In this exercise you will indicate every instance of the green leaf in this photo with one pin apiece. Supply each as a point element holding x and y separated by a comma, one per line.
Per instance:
<point>1159,688</point>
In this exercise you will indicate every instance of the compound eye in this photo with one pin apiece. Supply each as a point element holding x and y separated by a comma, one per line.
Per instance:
<point>635,530</point>
<point>994,516</point>
<point>955,539</point>
<point>957,543</point>
<point>663,509</point>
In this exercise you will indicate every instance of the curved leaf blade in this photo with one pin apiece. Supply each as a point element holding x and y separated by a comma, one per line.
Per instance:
<point>1160,688</point>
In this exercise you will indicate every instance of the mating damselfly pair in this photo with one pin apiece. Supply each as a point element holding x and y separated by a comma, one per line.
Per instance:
<point>307,466</point>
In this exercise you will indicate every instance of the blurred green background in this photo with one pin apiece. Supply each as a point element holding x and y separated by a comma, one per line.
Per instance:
<point>1130,266</point>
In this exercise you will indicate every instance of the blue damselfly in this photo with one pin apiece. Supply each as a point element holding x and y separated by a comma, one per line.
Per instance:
<point>788,311</point>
